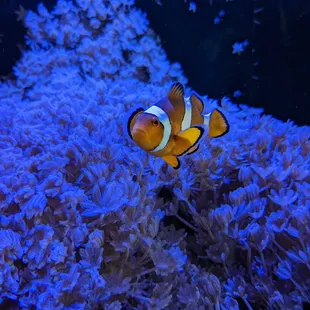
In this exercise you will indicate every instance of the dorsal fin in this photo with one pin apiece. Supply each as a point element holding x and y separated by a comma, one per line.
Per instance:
<point>197,101</point>
<point>176,93</point>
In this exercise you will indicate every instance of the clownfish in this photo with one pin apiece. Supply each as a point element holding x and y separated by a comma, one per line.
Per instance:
<point>174,126</point>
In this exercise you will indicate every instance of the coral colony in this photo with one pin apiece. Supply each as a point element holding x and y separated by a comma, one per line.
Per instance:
<point>90,221</point>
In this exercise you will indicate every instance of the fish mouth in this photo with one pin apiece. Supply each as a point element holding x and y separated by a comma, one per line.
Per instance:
<point>139,134</point>
<point>138,131</point>
<point>141,137</point>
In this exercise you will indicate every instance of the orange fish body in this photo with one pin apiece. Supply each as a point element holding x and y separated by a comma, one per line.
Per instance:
<point>173,126</point>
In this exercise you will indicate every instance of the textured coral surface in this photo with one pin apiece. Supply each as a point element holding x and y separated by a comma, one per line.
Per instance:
<point>88,221</point>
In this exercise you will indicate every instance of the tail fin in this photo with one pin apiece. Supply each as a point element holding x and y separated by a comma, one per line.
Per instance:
<point>217,123</point>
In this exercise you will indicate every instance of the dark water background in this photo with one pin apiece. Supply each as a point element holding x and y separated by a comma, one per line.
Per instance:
<point>281,45</point>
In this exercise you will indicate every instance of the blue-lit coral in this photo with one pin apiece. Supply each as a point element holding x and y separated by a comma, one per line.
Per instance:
<point>88,221</point>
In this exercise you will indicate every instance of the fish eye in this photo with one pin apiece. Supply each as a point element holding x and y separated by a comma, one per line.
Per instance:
<point>155,122</point>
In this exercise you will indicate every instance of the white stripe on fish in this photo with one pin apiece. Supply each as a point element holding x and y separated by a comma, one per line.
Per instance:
<point>187,118</point>
<point>164,119</point>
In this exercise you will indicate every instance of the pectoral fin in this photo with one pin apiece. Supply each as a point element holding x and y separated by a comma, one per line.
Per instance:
<point>187,139</point>
<point>173,161</point>
<point>218,125</point>
<point>192,150</point>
